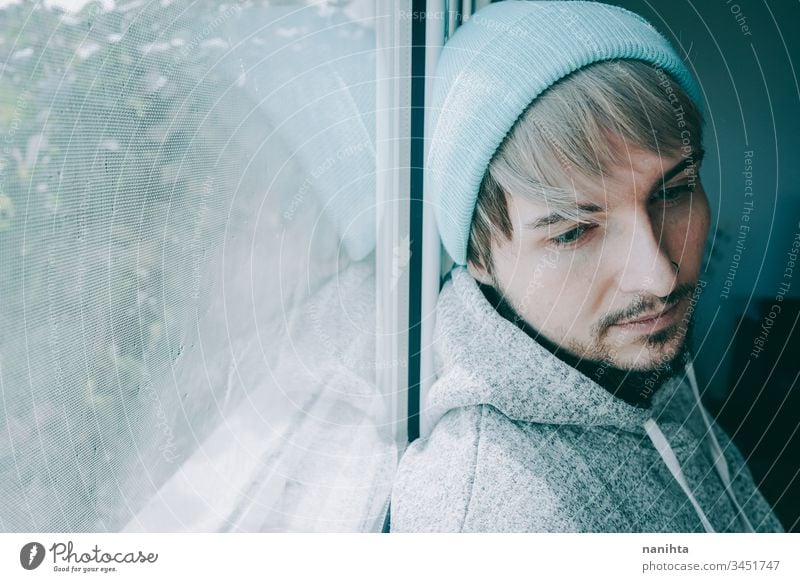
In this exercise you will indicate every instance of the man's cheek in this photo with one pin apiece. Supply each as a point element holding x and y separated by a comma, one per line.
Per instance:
<point>699,221</point>
<point>537,309</point>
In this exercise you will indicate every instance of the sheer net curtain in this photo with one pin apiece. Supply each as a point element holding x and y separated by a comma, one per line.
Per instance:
<point>187,282</point>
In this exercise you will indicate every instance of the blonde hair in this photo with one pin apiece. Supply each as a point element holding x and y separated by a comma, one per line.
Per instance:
<point>566,131</point>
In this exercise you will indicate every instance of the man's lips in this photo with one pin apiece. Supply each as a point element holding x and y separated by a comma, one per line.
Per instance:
<point>655,319</point>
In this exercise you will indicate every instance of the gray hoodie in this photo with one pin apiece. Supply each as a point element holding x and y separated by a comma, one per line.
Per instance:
<point>521,441</point>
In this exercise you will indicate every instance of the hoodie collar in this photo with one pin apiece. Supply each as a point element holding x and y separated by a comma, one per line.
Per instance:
<point>482,358</point>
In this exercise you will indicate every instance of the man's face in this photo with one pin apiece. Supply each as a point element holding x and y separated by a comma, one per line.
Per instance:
<point>615,286</point>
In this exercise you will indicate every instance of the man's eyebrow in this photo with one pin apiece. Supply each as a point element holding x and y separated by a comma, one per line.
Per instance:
<point>693,159</point>
<point>556,217</point>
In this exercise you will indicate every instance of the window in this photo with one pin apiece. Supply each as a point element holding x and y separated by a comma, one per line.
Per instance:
<point>190,212</point>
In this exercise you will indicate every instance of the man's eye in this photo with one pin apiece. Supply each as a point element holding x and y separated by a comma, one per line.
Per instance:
<point>571,236</point>
<point>674,193</point>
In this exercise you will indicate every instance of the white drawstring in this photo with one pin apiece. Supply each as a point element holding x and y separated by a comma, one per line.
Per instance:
<point>663,448</point>
<point>716,452</point>
<point>670,460</point>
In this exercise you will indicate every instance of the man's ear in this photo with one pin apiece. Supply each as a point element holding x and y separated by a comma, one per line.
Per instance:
<point>479,273</point>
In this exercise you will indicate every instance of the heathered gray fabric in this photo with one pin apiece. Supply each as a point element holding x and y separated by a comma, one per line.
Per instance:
<point>525,442</point>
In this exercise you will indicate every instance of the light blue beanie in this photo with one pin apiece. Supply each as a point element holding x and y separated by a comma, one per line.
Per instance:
<point>495,65</point>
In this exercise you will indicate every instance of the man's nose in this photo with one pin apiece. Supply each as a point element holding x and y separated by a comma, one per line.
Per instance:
<point>647,266</point>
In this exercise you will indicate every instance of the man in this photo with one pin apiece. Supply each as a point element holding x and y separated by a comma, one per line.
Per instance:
<point>564,169</point>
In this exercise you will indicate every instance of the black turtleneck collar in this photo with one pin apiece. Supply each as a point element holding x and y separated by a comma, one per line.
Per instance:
<point>634,387</point>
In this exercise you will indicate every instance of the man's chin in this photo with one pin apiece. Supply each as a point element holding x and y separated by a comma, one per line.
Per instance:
<point>664,349</point>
